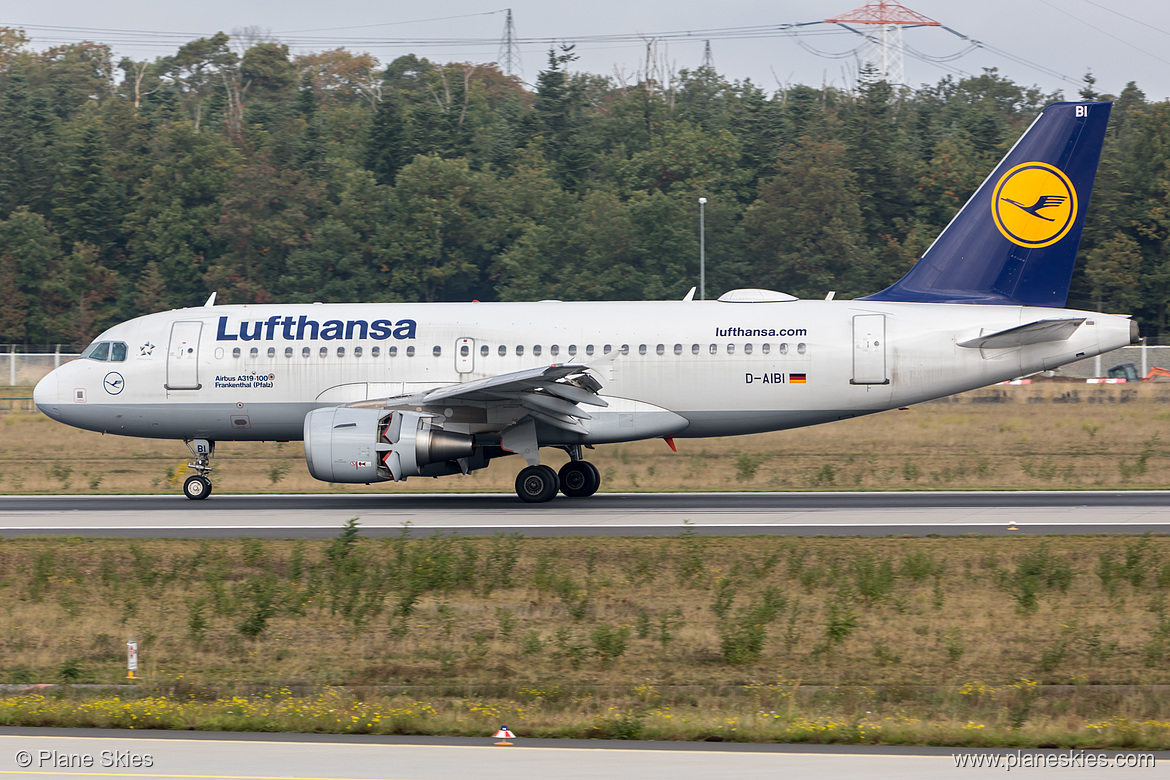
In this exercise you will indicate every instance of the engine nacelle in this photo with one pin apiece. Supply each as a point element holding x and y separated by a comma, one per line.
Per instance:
<point>374,445</point>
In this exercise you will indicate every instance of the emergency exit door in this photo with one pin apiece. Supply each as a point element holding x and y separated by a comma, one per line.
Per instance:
<point>465,355</point>
<point>869,350</point>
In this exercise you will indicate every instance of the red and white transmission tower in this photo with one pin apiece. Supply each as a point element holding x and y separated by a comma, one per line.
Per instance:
<point>882,49</point>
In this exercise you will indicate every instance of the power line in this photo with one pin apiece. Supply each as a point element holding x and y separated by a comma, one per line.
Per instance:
<point>152,39</point>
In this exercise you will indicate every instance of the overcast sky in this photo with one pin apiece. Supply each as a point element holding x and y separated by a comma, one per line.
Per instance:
<point>1049,44</point>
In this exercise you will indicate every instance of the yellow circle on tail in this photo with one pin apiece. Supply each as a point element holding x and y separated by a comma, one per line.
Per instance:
<point>1034,205</point>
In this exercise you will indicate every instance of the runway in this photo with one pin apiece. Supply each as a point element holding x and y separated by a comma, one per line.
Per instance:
<point>37,753</point>
<point>608,514</point>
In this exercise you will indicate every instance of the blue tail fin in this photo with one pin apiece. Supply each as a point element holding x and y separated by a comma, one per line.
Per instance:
<point>1015,242</point>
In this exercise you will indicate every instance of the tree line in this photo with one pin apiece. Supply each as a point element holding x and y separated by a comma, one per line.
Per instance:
<point>233,166</point>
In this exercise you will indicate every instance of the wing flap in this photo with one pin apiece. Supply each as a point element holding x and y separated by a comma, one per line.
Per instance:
<point>551,394</point>
<point>1037,332</point>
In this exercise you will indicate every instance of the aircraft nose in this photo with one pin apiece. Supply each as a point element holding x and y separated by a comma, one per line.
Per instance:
<point>46,394</point>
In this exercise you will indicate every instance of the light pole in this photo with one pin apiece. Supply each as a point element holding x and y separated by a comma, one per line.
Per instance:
<point>702,249</point>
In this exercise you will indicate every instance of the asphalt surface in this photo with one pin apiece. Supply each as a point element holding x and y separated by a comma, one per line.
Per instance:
<point>609,514</point>
<point>39,753</point>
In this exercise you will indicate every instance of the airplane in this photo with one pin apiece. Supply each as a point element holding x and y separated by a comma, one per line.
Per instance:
<point>388,391</point>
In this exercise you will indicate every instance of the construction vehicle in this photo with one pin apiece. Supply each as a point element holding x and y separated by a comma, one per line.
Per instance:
<point>1128,372</point>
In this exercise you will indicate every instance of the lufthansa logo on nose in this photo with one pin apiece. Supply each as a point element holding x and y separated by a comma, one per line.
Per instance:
<point>1034,205</point>
<point>113,383</point>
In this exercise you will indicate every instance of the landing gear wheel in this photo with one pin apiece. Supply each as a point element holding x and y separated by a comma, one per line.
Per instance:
<point>197,487</point>
<point>536,484</point>
<point>579,478</point>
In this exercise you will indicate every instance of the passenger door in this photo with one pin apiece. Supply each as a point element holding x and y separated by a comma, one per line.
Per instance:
<point>183,356</point>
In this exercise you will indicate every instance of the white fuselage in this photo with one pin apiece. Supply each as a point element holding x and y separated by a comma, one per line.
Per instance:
<point>685,368</point>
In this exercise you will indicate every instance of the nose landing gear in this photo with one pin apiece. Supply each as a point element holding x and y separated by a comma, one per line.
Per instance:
<point>198,485</point>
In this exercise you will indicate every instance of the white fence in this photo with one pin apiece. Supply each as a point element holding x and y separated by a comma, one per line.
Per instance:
<point>27,368</point>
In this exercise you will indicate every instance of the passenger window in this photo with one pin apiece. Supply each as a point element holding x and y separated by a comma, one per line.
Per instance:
<point>801,348</point>
<point>357,352</point>
<point>519,350</point>
<point>503,350</point>
<point>390,352</point>
<point>660,349</point>
<point>572,349</point>
<point>714,349</point>
<point>324,352</point>
<point>766,348</point>
<point>306,352</point>
<point>694,349</point>
<point>730,349</point>
<point>236,352</point>
<point>782,349</point>
<point>484,350</point>
<point>438,351</point>
<point>410,351</point>
<point>747,349</point>
<point>588,349</point>
<point>375,351</point>
<point>554,350</point>
<point>288,352</point>
<point>272,352</point>
<point>625,350</point>
<point>536,349</point>
<point>606,349</point>
<point>254,352</point>
<point>641,349</point>
<point>341,352</point>
<point>118,351</point>
<point>103,351</point>
<point>678,349</point>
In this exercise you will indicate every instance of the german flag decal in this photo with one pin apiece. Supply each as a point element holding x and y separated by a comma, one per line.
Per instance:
<point>796,379</point>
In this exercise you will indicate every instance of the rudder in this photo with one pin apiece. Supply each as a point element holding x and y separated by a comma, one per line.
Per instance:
<point>1015,241</point>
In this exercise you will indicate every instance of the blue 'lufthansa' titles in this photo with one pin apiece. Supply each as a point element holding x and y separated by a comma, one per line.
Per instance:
<point>302,328</point>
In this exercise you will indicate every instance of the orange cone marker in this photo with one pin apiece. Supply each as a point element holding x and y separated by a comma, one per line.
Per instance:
<point>504,735</point>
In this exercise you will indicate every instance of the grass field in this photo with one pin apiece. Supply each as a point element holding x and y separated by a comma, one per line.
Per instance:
<point>1044,436</point>
<point>960,641</point>
<point>963,641</point>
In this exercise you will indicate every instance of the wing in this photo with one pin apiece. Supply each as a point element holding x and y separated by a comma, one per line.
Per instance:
<point>551,394</point>
<point>1048,201</point>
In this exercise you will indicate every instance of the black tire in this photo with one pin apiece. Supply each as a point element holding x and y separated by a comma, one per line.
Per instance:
<point>579,478</point>
<point>197,488</point>
<point>536,484</point>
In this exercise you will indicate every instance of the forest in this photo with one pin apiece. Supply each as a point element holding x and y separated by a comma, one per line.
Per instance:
<point>233,166</point>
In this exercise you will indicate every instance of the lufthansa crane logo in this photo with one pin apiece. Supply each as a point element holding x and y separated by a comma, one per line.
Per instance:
<point>1034,205</point>
<point>113,383</point>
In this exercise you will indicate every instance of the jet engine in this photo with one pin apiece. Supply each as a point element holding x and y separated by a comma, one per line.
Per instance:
<point>374,445</point>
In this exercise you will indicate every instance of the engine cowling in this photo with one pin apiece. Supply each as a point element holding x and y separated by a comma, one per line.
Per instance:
<point>375,445</point>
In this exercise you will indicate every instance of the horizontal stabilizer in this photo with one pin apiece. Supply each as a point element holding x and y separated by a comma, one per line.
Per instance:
<point>1033,333</point>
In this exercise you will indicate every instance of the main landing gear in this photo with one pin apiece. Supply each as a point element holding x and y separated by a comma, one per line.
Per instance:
<point>198,485</point>
<point>576,479</point>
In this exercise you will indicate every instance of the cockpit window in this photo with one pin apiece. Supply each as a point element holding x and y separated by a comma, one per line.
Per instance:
<point>106,350</point>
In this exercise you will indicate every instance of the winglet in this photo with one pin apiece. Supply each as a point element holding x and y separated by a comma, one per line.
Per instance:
<point>1016,240</point>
